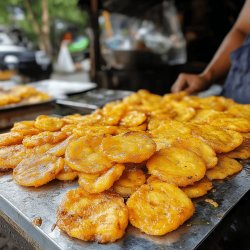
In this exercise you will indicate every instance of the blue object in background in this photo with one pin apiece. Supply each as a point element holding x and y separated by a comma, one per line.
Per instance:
<point>237,84</point>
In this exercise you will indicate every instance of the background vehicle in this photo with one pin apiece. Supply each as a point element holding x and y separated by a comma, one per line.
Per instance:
<point>34,64</point>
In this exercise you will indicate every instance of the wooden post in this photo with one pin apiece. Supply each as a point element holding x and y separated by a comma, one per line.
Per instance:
<point>95,43</point>
<point>46,28</point>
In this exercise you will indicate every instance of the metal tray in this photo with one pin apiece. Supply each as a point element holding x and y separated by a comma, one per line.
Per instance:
<point>22,205</point>
<point>94,99</point>
<point>59,88</point>
<point>22,105</point>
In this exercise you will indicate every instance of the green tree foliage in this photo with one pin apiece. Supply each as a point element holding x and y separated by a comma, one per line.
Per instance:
<point>64,10</point>
<point>5,16</point>
<point>68,11</point>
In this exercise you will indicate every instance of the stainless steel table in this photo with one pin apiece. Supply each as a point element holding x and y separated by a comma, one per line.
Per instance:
<point>20,206</point>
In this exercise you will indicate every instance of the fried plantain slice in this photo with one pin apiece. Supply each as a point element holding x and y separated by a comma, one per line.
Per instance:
<point>182,111</point>
<point>143,101</point>
<point>10,138</point>
<point>24,91</point>
<point>225,167</point>
<point>240,110</point>
<point>72,119</point>
<point>95,130</point>
<point>29,124</point>
<point>243,151</point>
<point>162,114</point>
<point>198,189</point>
<point>132,100</point>
<point>25,128</point>
<point>68,129</point>
<point>153,178</point>
<point>238,124</point>
<point>67,174</point>
<point>41,149</point>
<point>129,182</point>
<point>48,123</point>
<point>90,119</point>
<point>43,138</point>
<point>60,148</point>
<point>208,115</point>
<point>97,183</point>
<point>93,217</point>
<point>177,165</point>
<point>133,119</point>
<point>169,130</point>
<point>220,140</point>
<point>174,96</point>
<point>168,126</point>
<point>145,95</point>
<point>39,97</point>
<point>4,99</point>
<point>123,130</point>
<point>37,170</point>
<point>158,208</point>
<point>142,127</point>
<point>218,103</point>
<point>10,156</point>
<point>162,143</point>
<point>84,155</point>
<point>134,147</point>
<point>112,113</point>
<point>200,148</point>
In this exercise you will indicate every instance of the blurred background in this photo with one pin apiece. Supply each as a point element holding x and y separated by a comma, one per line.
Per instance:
<point>117,44</point>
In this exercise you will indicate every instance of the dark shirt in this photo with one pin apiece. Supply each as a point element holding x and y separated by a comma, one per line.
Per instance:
<point>237,85</point>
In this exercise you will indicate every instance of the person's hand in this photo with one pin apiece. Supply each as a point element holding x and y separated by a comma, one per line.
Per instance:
<point>190,83</point>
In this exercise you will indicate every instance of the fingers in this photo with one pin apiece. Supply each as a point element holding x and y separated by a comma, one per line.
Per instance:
<point>189,83</point>
<point>180,84</point>
<point>190,90</point>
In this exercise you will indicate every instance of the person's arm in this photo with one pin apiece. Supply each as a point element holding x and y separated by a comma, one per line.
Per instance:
<point>220,64</point>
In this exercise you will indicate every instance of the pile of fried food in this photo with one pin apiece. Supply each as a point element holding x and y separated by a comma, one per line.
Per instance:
<point>21,95</point>
<point>140,160</point>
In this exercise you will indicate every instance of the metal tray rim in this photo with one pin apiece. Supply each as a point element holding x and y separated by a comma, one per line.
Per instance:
<point>17,106</point>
